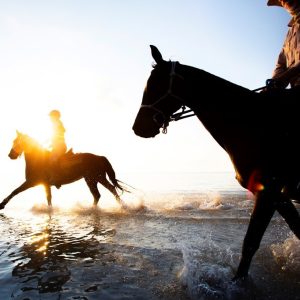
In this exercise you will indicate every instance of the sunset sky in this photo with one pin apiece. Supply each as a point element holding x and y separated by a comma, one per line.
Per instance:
<point>90,59</point>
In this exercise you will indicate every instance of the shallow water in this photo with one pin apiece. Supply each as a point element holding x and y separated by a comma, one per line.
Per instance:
<point>181,244</point>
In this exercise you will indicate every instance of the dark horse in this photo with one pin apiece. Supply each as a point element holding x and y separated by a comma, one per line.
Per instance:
<point>259,131</point>
<point>93,168</point>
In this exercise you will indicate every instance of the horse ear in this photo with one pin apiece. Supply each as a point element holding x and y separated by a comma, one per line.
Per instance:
<point>156,54</point>
<point>19,133</point>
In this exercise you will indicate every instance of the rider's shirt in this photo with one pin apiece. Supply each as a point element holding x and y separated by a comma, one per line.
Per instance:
<point>290,54</point>
<point>58,139</point>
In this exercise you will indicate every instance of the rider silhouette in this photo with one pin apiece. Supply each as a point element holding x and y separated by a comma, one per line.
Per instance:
<point>287,70</point>
<point>58,144</point>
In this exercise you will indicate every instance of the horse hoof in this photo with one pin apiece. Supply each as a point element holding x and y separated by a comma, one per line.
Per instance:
<point>2,206</point>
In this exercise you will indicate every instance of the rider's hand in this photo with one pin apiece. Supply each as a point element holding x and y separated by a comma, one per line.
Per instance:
<point>274,83</point>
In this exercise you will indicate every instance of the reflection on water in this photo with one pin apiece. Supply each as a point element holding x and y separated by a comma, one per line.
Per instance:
<point>49,251</point>
<point>76,256</point>
<point>43,261</point>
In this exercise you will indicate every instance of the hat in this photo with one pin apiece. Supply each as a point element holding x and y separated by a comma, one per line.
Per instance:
<point>274,3</point>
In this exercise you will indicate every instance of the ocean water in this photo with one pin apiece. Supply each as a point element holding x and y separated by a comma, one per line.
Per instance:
<point>180,238</point>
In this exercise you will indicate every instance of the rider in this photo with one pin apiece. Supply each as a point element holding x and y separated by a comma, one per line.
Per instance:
<point>287,74</point>
<point>287,70</point>
<point>58,144</point>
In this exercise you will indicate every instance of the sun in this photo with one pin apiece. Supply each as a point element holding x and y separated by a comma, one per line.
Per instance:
<point>39,129</point>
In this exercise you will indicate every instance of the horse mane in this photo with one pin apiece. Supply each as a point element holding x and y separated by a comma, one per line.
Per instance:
<point>34,142</point>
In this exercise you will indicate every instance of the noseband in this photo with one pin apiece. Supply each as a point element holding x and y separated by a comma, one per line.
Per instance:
<point>174,117</point>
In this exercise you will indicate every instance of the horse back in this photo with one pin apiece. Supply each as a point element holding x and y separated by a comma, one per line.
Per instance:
<point>85,161</point>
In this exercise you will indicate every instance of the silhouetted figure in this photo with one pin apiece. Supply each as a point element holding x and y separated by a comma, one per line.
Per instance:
<point>92,168</point>
<point>259,132</point>
<point>285,81</point>
<point>58,144</point>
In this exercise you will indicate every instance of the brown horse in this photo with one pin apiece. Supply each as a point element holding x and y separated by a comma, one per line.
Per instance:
<point>93,168</point>
<point>259,131</point>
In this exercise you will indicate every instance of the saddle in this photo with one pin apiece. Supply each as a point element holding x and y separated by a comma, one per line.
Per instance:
<point>69,159</point>
<point>68,153</point>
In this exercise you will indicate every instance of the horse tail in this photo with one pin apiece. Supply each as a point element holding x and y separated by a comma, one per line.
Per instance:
<point>112,176</point>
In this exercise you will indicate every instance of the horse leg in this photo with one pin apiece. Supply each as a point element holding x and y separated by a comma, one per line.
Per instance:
<point>290,214</point>
<point>92,184</point>
<point>261,216</point>
<point>23,187</point>
<point>110,187</point>
<point>48,194</point>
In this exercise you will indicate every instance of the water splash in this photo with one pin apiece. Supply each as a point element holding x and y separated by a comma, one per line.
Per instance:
<point>287,254</point>
<point>44,209</point>
<point>208,271</point>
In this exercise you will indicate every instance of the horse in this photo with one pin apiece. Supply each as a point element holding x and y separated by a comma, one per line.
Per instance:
<point>258,133</point>
<point>72,167</point>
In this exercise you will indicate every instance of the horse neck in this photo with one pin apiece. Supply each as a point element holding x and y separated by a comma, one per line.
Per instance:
<point>206,93</point>
<point>214,100</point>
<point>34,158</point>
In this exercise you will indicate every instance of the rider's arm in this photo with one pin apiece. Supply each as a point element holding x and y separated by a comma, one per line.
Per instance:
<point>280,72</point>
<point>290,75</point>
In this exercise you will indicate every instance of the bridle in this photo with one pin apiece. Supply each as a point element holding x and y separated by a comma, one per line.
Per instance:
<point>169,93</point>
<point>184,113</point>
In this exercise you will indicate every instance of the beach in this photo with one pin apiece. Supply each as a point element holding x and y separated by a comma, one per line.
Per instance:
<point>178,241</point>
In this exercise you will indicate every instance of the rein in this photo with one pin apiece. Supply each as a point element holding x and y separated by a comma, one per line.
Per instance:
<point>182,114</point>
<point>189,113</point>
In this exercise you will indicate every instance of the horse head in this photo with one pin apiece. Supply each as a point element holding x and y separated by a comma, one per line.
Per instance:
<point>17,147</point>
<point>22,143</point>
<point>162,97</point>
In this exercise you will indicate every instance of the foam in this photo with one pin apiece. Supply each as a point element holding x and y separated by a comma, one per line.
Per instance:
<point>287,254</point>
<point>208,271</point>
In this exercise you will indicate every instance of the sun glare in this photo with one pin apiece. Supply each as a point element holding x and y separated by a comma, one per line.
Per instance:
<point>40,132</point>
<point>37,125</point>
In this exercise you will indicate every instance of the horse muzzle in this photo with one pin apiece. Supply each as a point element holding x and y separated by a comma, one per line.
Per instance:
<point>145,132</point>
<point>13,154</point>
<point>147,124</point>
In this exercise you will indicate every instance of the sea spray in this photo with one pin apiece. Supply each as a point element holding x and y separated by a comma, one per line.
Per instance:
<point>287,254</point>
<point>207,271</point>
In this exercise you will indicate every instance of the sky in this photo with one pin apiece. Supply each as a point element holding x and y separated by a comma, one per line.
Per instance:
<point>90,59</point>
